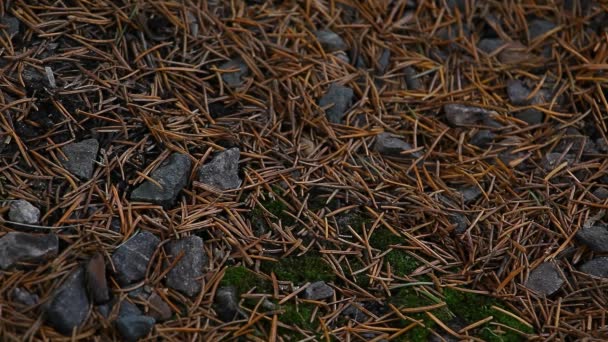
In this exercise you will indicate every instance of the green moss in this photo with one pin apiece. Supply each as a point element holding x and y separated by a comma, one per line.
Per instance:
<point>244,280</point>
<point>473,307</point>
<point>383,238</point>
<point>277,208</point>
<point>401,263</point>
<point>300,269</point>
<point>298,315</point>
<point>410,298</point>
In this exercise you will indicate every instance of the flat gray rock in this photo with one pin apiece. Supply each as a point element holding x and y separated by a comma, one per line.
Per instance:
<point>518,93</point>
<point>483,138</point>
<point>462,115</point>
<point>470,193</point>
<point>539,27</point>
<point>185,275</point>
<point>172,175</point>
<point>531,116</point>
<point>222,171</point>
<point>226,303</point>
<point>411,81</point>
<point>69,307</point>
<point>11,23</point>
<point>132,258</point>
<point>18,247</point>
<point>601,193</point>
<point>595,237</point>
<point>24,297</point>
<point>596,267</point>
<point>234,78</point>
<point>340,99</point>
<point>134,327</point>
<point>80,158</point>
<point>545,279</point>
<point>460,223</point>
<point>318,290</point>
<point>553,160</point>
<point>22,211</point>
<point>330,41</point>
<point>390,144</point>
<point>489,45</point>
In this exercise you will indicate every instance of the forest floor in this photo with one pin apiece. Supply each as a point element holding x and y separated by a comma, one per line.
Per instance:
<point>303,170</point>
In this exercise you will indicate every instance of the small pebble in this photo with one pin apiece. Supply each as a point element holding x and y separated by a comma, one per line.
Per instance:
<point>330,41</point>
<point>462,115</point>
<point>24,297</point>
<point>22,211</point>
<point>80,158</point>
<point>595,237</point>
<point>234,78</point>
<point>172,176</point>
<point>318,290</point>
<point>483,138</point>
<point>545,279</point>
<point>70,304</point>
<point>339,99</point>
<point>133,328</point>
<point>185,275</point>
<point>18,247</point>
<point>596,267</point>
<point>226,303</point>
<point>222,172</point>
<point>132,258</point>
<point>390,144</point>
<point>158,308</point>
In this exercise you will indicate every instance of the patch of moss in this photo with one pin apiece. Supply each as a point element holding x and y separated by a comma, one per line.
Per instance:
<point>474,307</point>
<point>244,280</point>
<point>300,269</point>
<point>298,315</point>
<point>383,238</point>
<point>276,207</point>
<point>401,263</point>
<point>410,298</point>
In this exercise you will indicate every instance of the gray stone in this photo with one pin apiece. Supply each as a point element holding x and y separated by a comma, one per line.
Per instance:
<point>601,145</point>
<point>601,193</point>
<point>545,279</point>
<point>158,308</point>
<point>596,267</point>
<point>483,138</point>
<point>330,41</point>
<point>461,115</point>
<point>411,81</point>
<point>24,297</point>
<point>18,247</point>
<point>340,99</point>
<point>489,45</point>
<point>594,237</point>
<point>354,313</point>
<point>318,290</point>
<point>390,144</point>
<point>11,25</point>
<point>22,211</point>
<point>132,258</point>
<point>518,93</point>
<point>80,158</point>
<point>172,175</point>
<point>531,116</point>
<point>574,141</point>
<point>226,303</point>
<point>69,307</point>
<point>133,328</point>
<point>460,222</point>
<point>223,171</point>
<point>128,309</point>
<point>384,61</point>
<point>553,160</point>
<point>234,78</point>
<point>185,275</point>
<point>470,194</point>
<point>539,27</point>
<point>97,283</point>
